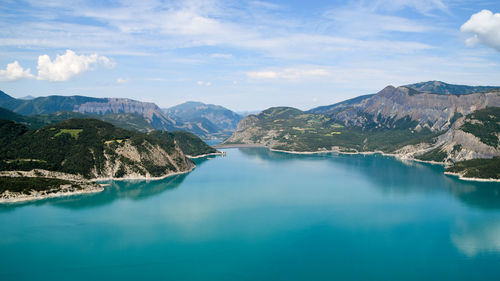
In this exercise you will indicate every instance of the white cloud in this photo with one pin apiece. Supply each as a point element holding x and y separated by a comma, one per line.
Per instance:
<point>14,71</point>
<point>145,26</point>
<point>121,80</point>
<point>485,28</point>
<point>202,83</point>
<point>422,6</point>
<point>369,22</point>
<point>288,73</point>
<point>221,56</point>
<point>63,67</point>
<point>263,74</point>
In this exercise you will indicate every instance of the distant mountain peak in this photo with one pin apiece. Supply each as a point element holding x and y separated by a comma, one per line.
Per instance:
<point>28,97</point>
<point>206,120</point>
<point>442,88</point>
<point>193,103</point>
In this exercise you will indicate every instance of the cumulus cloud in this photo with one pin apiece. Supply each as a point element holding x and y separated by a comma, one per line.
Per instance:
<point>288,74</point>
<point>65,66</point>
<point>14,71</point>
<point>485,29</point>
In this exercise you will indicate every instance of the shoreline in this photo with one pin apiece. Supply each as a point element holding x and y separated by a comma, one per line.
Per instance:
<point>461,177</point>
<point>399,157</point>
<point>143,177</point>
<point>221,146</point>
<point>35,197</point>
<point>18,198</point>
<point>220,153</point>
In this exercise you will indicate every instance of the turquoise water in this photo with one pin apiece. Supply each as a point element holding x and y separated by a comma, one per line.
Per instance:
<point>261,215</point>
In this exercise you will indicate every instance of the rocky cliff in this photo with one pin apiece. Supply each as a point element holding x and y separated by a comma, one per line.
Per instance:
<point>150,111</point>
<point>434,111</point>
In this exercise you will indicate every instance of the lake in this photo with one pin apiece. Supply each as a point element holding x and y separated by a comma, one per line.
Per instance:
<point>262,215</point>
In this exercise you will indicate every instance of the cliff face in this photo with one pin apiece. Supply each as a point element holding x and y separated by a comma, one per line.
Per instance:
<point>147,160</point>
<point>150,111</point>
<point>454,145</point>
<point>434,111</point>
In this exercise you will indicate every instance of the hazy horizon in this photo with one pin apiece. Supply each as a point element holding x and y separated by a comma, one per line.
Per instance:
<point>245,56</point>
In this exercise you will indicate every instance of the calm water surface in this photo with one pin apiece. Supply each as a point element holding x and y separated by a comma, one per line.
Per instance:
<point>259,215</point>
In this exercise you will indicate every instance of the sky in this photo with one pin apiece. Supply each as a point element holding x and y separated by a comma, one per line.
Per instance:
<point>244,55</point>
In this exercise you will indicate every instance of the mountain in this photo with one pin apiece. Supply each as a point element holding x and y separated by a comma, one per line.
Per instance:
<point>91,148</point>
<point>128,121</point>
<point>329,109</point>
<point>402,121</point>
<point>77,150</point>
<point>31,122</point>
<point>28,97</point>
<point>290,129</point>
<point>248,112</point>
<point>205,120</point>
<point>434,111</point>
<point>438,87</point>
<point>89,105</point>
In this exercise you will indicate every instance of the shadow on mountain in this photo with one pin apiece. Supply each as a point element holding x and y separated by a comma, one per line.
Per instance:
<point>116,190</point>
<point>397,177</point>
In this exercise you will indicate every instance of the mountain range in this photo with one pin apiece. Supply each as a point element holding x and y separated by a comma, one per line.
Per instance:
<point>429,121</point>
<point>436,125</point>
<point>206,121</point>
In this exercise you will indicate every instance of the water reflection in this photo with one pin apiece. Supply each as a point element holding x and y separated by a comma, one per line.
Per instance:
<point>473,238</point>
<point>398,177</point>
<point>116,190</point>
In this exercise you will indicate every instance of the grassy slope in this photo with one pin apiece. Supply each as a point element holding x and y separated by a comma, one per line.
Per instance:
<point>300,131</point>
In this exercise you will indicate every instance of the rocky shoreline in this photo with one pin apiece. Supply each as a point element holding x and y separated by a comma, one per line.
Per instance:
<point>87,186</point>
<point>16,197</point>
<point>143,177</point>
<point>398,156</point>
<point>219,153</point>
<point>461,177</point>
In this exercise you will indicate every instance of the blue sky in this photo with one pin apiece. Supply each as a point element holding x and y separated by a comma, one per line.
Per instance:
<point>245,55</point>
